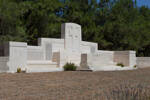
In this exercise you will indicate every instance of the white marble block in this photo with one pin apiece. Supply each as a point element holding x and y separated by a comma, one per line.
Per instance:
<point>71,33</point>
<point>143,62</point>
<point>100,58</point>
<point>127,58</point>
<point>17,56</point>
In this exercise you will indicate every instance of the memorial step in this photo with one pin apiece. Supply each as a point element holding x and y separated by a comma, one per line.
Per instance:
<point>40,62</point>
<point>42,69</point>
<point>84,69</point>
<point>42,66</point>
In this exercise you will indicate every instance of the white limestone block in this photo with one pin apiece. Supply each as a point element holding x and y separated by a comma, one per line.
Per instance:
<point>132,58</point>
<point>17,56</point>
<point>88,47</point>
<point>143,62</point>
<point>35,53</point>
<point>100,58</point>
<point>128,58</point>
<point>50,46</point>
<point>4,64</point>
<point>71,33</point>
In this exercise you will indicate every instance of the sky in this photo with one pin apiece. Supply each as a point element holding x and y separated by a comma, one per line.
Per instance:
<point>142,2</point>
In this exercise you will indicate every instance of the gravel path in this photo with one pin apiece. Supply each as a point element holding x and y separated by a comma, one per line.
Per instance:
<point>66,85</point>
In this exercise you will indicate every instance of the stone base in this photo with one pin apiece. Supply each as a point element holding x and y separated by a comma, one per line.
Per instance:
<point>112,68</point>
<point>84,69</point>
<point>43,69</point>
<point>42,66</point>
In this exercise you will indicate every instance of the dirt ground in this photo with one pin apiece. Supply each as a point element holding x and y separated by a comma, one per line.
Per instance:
<point>67,85</point>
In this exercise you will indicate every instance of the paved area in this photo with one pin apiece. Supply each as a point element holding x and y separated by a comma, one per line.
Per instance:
<point>67,85</point>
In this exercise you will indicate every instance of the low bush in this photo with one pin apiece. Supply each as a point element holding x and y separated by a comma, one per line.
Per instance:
<point>135,66</point>
<point>18,70</point>
<point>70,67</point>
<point>120,64</point>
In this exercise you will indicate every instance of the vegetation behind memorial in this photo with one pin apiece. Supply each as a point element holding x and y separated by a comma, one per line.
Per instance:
<point>114,24</point>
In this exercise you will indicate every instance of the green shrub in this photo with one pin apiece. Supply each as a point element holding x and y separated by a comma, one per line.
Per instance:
<point>120,64</point>
<point>18,70</point>
<point>70,67</point>
<point>135,66</point>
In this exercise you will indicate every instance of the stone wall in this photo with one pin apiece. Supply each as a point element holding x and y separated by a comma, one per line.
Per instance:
<point>88,47</point>
<point>3,64</point>
<point>143,62</point>
<point>17,56</point>
<point>35,53</point>
<point>127,58</point>
<point>50,45</point>
<point>100,59</point>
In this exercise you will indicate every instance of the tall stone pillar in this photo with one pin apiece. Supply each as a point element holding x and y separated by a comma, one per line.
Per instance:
<point>71,33</point>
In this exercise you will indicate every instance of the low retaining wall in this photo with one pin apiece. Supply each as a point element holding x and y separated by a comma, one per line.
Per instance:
<point>3,64</point>
<point>128,58</point>
<point>99,59</point>
<point>143,62</point>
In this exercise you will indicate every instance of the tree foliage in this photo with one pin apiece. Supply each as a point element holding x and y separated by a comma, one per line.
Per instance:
<point>114,24</point>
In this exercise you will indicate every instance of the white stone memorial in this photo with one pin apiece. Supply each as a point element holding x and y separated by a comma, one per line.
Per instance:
<point>52,54</point>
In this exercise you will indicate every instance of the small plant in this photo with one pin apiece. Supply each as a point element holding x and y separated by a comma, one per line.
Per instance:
<point>70,67</point>
<point>120,64</point>
<point>19,70</point>
<point>135,66</point>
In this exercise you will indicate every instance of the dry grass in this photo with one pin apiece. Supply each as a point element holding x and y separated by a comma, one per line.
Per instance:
<point>121,85</point>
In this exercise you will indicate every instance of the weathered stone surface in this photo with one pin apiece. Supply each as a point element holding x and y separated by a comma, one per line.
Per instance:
<point>143,62</point>
<point>3,64</point>
<point>84,65</point>
<point>17,56</point>
<point>71,33</point>
<point>128,58</point>
<point>35,53</point>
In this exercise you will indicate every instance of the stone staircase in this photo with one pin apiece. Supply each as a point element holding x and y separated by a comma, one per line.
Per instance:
<point>42,66</point>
